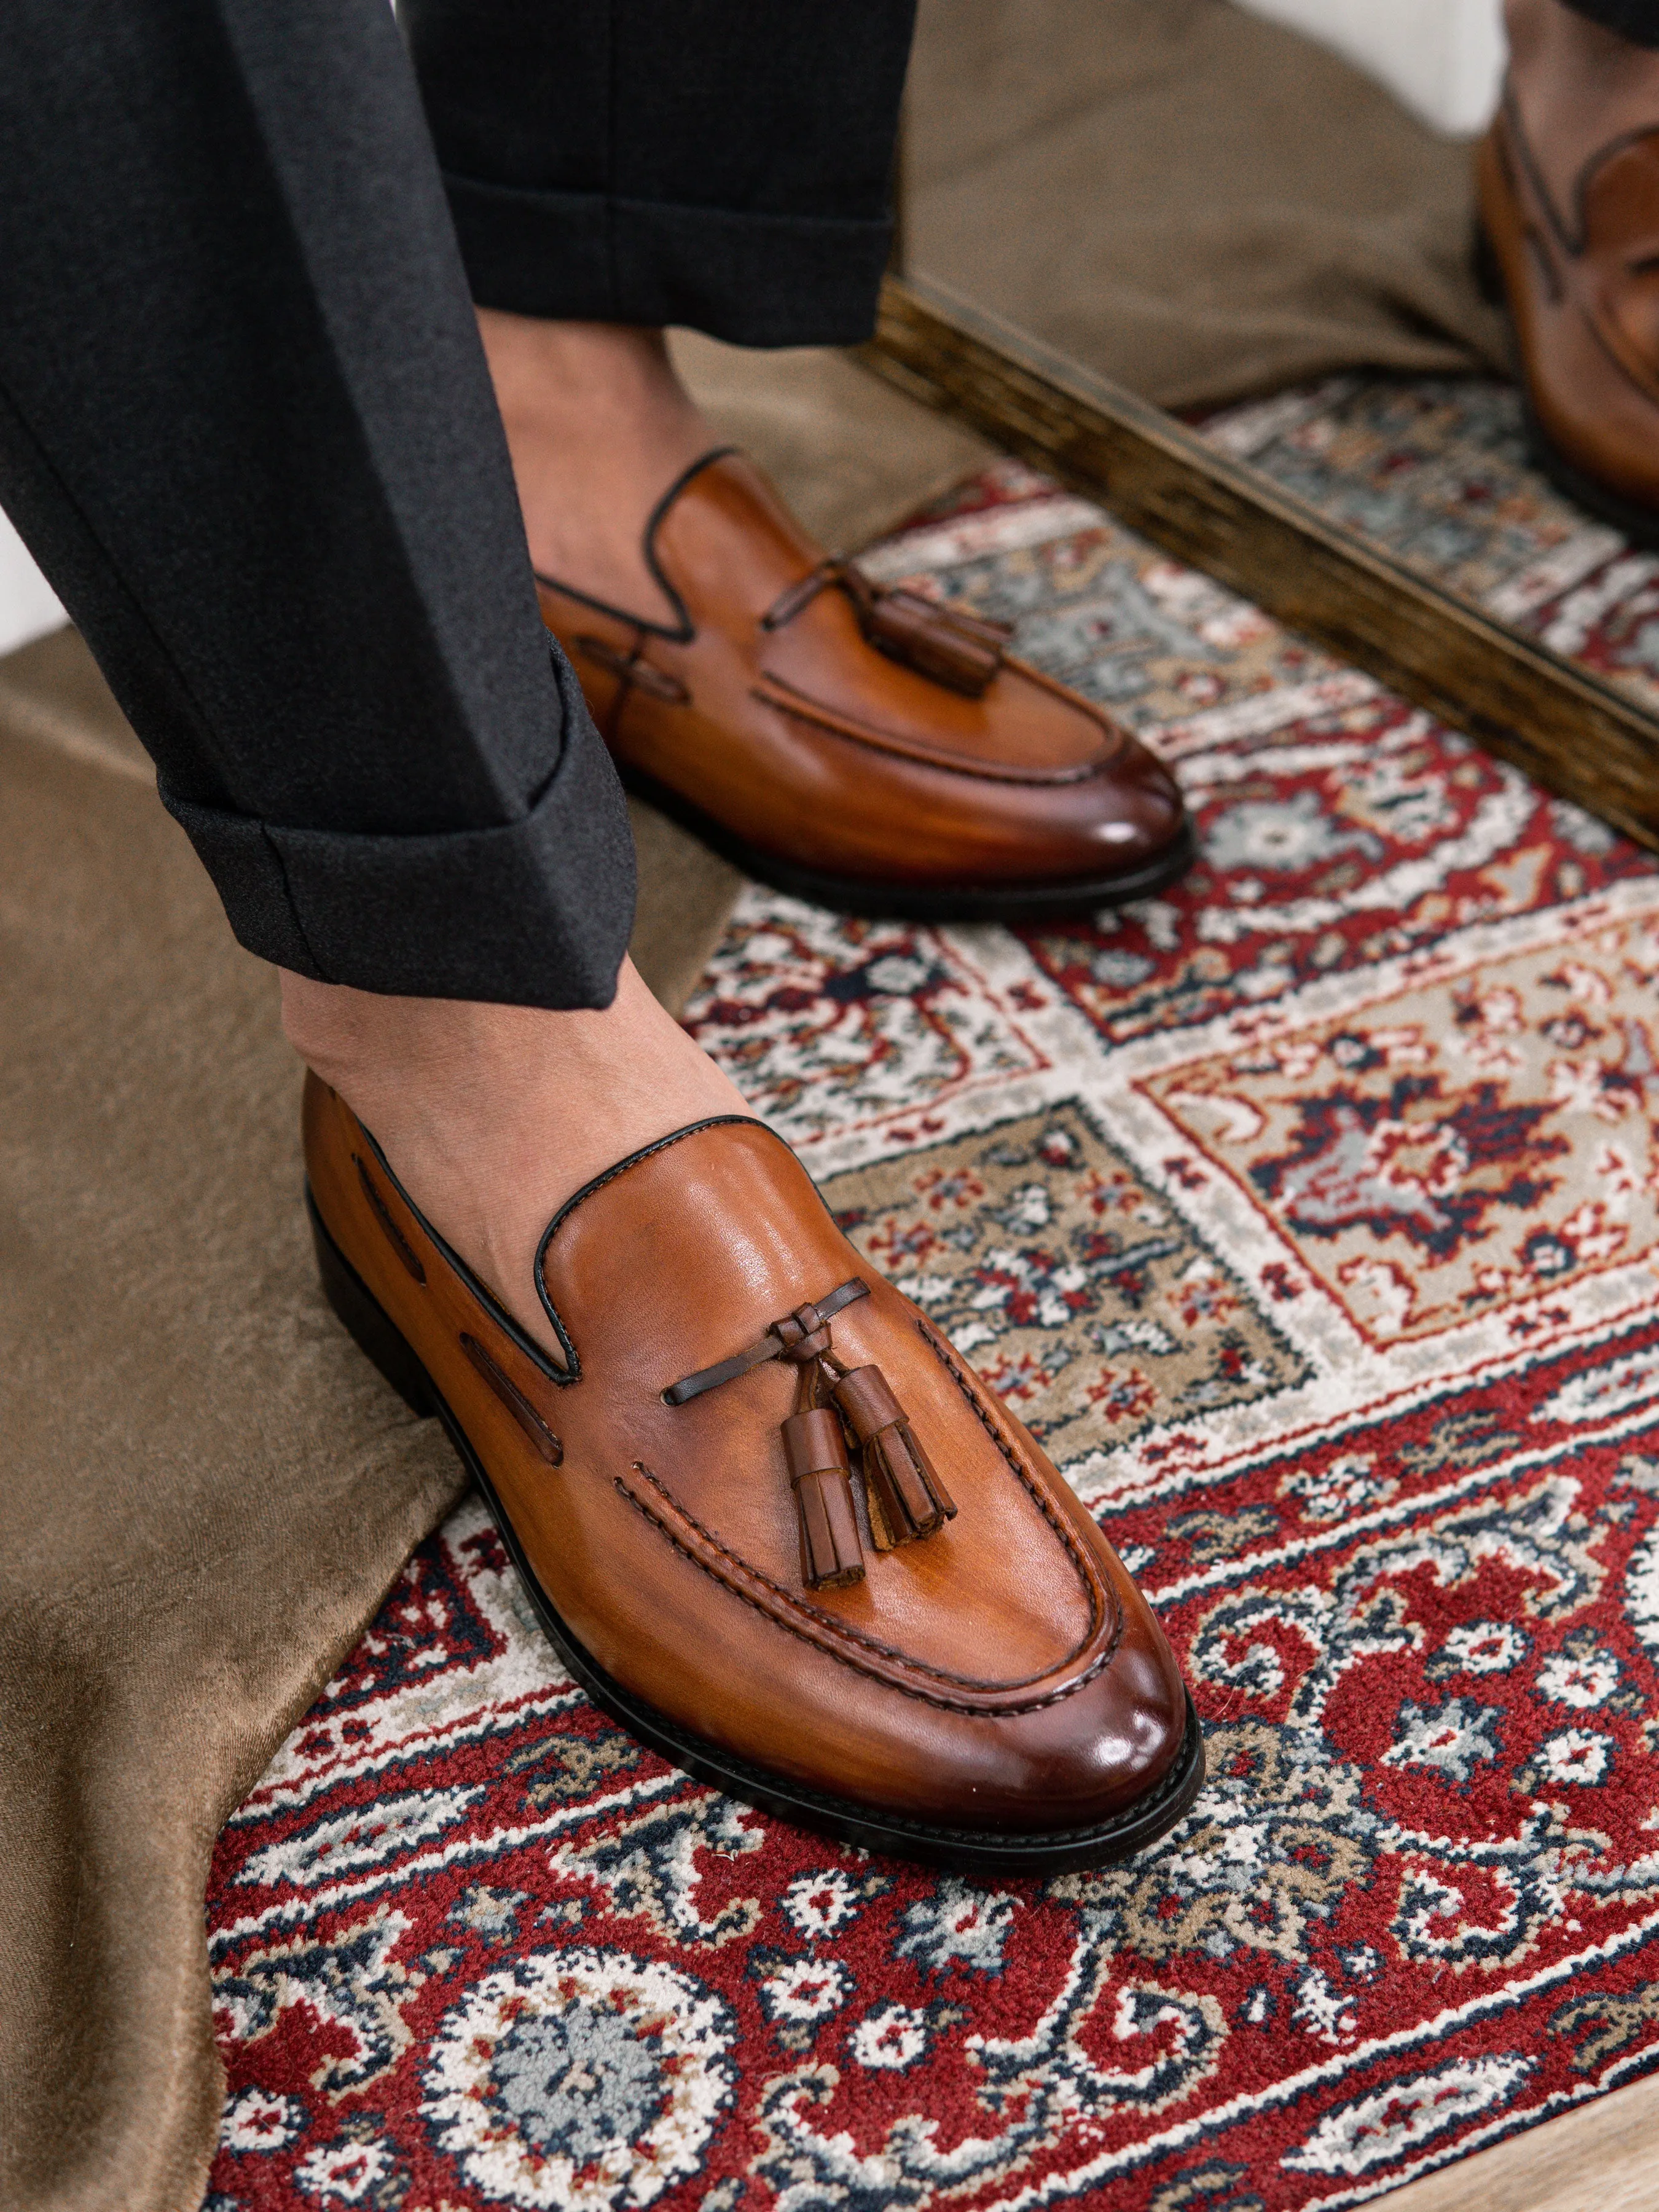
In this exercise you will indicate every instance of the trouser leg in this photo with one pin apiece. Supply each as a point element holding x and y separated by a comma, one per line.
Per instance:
<point>724,164</point>
<point>1636,20</point>
<point>246,429</point>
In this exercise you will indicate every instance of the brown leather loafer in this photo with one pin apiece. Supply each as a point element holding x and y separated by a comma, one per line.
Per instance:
<point>860,747</point>
<point>768,1519</point>
<point>1582,289</point>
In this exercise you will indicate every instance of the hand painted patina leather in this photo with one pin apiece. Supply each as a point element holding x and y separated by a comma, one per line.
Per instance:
<point>853,744</point>
<point>996,1696</point>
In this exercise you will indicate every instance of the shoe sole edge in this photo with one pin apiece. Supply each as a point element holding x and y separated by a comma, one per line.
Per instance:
<point>964,1850</point>
<point>1639,523</point>
<point>874,902</point>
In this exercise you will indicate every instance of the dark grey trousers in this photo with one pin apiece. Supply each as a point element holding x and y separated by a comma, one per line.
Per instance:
<point>1638,19</point>
<point>246,429</point>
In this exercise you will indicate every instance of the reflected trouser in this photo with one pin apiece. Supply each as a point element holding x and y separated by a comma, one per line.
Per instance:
<point>1631,19</point>
<point>246,429</point>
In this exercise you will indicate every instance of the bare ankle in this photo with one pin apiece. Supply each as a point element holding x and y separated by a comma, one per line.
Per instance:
<point>366,1044</point>
<point>544,368</point>
<point>599,426</point>
<point>491,1116</point>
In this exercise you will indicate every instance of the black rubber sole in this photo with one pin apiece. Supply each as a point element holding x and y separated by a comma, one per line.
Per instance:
<point>1632,521</point>
<point>896,902</point>
<point>969,1852</point>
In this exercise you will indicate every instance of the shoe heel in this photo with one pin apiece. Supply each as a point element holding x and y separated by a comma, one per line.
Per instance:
<point>1488,269</point>
<point>368,1327</point>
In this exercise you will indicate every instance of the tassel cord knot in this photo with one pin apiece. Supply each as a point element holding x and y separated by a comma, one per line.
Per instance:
<point>961,652</point>
<point>903,1493</point>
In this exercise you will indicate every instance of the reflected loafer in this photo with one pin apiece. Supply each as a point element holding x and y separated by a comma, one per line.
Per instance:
<point>865,748</point>
<point>768,1518</point>
<point>1581,284</point>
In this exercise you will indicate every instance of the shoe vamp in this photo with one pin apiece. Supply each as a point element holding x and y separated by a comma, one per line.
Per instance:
<point>1621,204</point>
<point>713,1242</point>
<point>1621,224</point>
<point>820,662</point>
<point>1588,381</point>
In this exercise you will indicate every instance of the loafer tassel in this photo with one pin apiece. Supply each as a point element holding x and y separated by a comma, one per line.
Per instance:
<point>831,1555</point>
<point>906,1496</point>
<point>903,1489</point>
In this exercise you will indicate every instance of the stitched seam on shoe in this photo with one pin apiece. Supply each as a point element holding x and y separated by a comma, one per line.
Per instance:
<point>685,630</point>
<point>842,1629</point>
<point>645,1152</point>
<point>1087,1573</point>
<point>893,747</point>
<point>1102,1599</point>
<point>977,1711</point>
<point>487,1303</point>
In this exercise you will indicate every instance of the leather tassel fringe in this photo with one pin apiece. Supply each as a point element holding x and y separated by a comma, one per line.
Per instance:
<point>907,1497</point>
<point>902,1490</point>
<point>953,647</point>
<point>831,1555</point>
<point>961,651</point>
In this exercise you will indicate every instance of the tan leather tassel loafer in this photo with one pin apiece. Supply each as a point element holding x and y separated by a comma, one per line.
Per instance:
<point>1581,284</point>
<point>860,747</point>
<point>769,1520</point>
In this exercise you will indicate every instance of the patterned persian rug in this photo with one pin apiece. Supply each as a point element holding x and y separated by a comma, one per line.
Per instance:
<point>1437,471</point>
<point>1310,1215</point>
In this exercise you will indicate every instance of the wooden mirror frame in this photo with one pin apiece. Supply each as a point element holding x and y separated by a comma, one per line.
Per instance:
<point>1572,733</point>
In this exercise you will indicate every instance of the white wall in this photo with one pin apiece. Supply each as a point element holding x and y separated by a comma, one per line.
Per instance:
<point>27,606</point>
<point>1442,57</point>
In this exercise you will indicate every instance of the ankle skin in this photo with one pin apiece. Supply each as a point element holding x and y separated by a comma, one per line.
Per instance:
<point>599,426</point>
<point>492,1117</point>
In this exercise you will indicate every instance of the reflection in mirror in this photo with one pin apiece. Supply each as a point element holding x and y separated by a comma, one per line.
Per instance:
<point>1227,219</point>
<point>1437,471</point>
<point>1193,202</point>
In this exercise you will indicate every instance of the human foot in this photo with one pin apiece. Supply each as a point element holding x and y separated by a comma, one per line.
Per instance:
<point>492,1117</point>
<point>599,427</point>
<point>1579,87</point>
<point>768,1519</point>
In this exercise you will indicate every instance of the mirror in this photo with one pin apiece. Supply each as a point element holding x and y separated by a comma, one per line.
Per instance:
<point>1196,266</point>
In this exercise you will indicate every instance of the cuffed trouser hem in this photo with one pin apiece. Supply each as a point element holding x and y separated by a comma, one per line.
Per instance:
<point>534,912</point>
<point>753,280</point>
<point>1636,20</point>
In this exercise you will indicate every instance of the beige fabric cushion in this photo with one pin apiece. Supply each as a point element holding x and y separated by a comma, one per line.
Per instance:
<point>205,1488</point>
